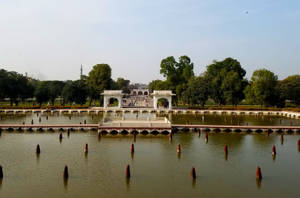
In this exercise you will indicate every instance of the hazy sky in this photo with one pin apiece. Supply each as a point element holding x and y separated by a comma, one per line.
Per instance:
<point>50,39</point>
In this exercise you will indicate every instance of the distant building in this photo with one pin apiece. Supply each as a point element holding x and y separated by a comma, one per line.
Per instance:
<point>139,92</point>
<point>139,98</point>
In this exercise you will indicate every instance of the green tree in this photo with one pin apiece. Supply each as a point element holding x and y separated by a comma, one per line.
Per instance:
<point>15,86</point>
<point>75,91</point>
<point>42,93</point>
<point>55,89</point>
<point>158,85</point>
<point>263,89</point>
<point>3,83</point>
<point>197,91</point>
<point>226,81</point>
<point>177,74</point>
<point>233,87</point>
<point>98,80</point>
<point>18,87</point>
<point>123,85</point>
<point>290,88</point>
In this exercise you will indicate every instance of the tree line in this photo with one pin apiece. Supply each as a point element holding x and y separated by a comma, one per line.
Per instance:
<point>19,88</point>
<point>223,83</point>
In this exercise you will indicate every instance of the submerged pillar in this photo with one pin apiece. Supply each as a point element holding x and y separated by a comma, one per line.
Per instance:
<point>258,173</point>
<point>1,172</point>
<point>60,136</point>
<point>273,150</point>
<point>281,139</point>
<point>132,148</point>
<point>66,172</point>
<point>128,172</point>
<point>178,148</point>
<point>86,149</point>
<point>226,149</point>
<point>193,173</point>
<point>171,136</point>
<point>38,150</point>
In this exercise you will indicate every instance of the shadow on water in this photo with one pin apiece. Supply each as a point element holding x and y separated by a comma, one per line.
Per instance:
<point>258,183</point>
<point>230,119</point>
<point>66,181</point>
<point>264,140</point>
<point>234,141</point>
<point>37,158</point>
<point>194,183</point>
<point>185,138</point>
<point>179,155</point>
<point>127,181</point>
<point>226,156</point>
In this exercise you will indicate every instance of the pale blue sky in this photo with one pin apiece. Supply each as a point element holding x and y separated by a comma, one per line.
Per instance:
<point>51,38</point>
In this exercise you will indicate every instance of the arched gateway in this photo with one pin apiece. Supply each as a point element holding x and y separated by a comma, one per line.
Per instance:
<point>162,94</point>
<point>157,95</point>
<point>108,94</point>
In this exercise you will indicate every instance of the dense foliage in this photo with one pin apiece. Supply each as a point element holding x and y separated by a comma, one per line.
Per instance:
<point>223,83</point>
<point>226,81</point>
<point>177,75</point>
<point>290,89</point>
<point>263,88</point>
<point>197,91</point>
<point>17,87</point>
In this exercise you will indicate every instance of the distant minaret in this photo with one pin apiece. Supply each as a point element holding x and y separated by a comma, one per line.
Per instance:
<point>81,72</point>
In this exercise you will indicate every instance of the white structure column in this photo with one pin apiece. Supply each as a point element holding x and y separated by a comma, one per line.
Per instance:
<point>108,94</point>
<point>166,94</point>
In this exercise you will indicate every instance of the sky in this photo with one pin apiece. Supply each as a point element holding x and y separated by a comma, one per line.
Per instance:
<point>50,39</point>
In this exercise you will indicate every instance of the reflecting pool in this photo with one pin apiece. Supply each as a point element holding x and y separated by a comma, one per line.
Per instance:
<point>77,118</point>
<point>156,168</point>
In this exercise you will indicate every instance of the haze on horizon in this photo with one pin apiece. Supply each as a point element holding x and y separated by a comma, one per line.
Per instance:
<point>50,39</point>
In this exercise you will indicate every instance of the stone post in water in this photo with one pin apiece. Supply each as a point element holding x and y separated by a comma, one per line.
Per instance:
<point>128,172</point>
<point>38,150</point>
<point>258,173</point>
<point>193,173</point>
<point>66,172</point>
<point>1,172</point>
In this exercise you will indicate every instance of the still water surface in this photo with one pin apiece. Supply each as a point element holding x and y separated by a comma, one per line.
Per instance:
<point>174,118</point>
<point>157,170</point>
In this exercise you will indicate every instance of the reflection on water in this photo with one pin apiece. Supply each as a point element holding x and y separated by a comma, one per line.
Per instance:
<point>77,118</point>
<point>226,156</point>
<point>66,183</point>
<point>157,170</point>
<point>258,183</point>
<point>193,183</point>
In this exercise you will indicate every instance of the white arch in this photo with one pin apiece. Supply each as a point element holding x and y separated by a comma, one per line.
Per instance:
<point>156,99</point>
<point>166,94</point>
<point>108,94</point>
<point>107,100</point>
